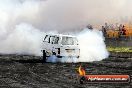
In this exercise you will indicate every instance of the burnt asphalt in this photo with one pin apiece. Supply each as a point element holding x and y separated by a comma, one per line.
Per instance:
<point>29,72</point>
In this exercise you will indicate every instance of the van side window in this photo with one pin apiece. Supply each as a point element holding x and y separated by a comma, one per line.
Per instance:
<point>56,40</point>
<point>67,41</point>
<point>51,39</point>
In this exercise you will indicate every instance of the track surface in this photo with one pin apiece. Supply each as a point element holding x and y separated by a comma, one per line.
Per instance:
<point>34,74</point>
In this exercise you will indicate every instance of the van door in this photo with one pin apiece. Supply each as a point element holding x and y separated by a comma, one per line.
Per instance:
<point>56,45</point>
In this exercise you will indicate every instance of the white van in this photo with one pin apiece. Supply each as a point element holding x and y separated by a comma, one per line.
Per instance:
<point>60,46</point>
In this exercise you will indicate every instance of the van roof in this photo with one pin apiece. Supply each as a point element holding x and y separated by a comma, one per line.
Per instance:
<point>60,35</point>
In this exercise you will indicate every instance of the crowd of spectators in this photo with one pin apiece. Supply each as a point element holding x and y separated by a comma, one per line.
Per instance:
<point>120,28</point>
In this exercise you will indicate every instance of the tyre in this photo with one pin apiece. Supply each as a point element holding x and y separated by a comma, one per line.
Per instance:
<point>44,56</point>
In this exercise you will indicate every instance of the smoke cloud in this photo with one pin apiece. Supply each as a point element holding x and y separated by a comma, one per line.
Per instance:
<point>92,45</point>
<point>24,22</point>
<point>24,39</point>
<point>62,15</point>
<point>92,48</point>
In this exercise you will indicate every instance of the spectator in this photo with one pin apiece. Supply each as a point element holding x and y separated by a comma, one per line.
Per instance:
<point>89,26</point>
<point>120,30</point>
<point>104,31</point>
<point>106,26</point>
<point>123,30</point>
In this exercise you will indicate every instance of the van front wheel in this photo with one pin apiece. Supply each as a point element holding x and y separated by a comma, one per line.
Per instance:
<point>44,56</point>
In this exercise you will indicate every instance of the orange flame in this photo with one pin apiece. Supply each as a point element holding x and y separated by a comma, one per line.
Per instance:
<point>81,71</point>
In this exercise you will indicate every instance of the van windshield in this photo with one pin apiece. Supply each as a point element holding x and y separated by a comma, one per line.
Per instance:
<point>69,40</point>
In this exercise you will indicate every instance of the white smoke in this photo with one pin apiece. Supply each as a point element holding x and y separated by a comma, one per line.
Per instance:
<point>24,39</point>
<point>92,46</point>
<point>61,15</point>
<point>23,23</point>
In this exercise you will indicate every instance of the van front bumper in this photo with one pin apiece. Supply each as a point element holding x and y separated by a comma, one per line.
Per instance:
<point>68,56</point>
